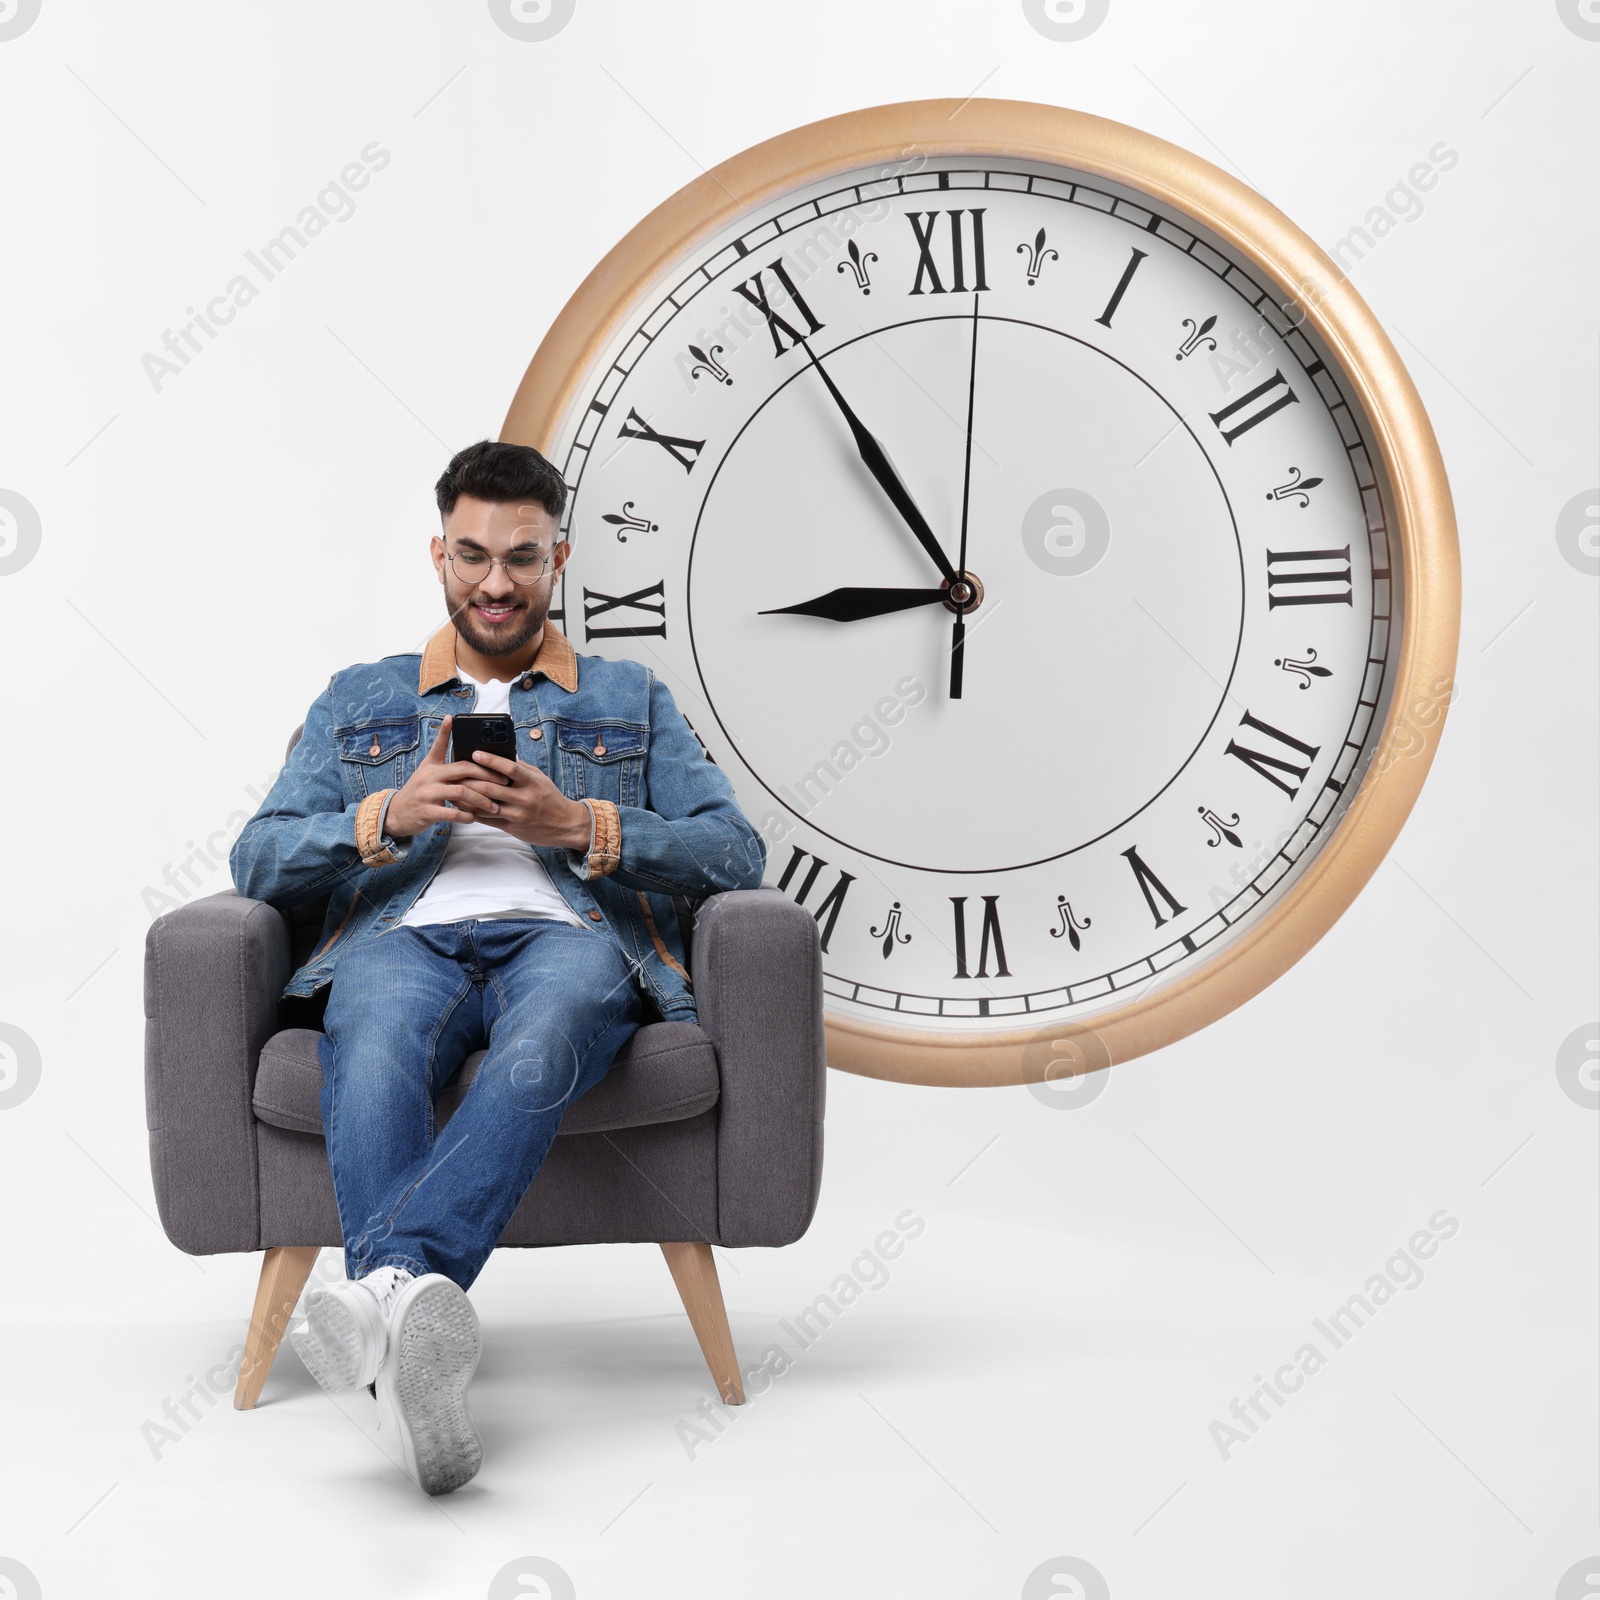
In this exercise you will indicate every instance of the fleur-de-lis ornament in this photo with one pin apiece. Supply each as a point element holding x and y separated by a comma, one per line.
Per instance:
<point>628,520</point>
<point>858,265</point>
<point>1069,923</point>
<point>1296,488</point>
<point>1037,255</point>
<point>1304,668</point>
<point>1198,336</point>
<point>1224,830</point>
<point>890,932</point>
<point>708,364</point>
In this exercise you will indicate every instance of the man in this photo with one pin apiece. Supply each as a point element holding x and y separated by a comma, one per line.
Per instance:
<point>529,907</point>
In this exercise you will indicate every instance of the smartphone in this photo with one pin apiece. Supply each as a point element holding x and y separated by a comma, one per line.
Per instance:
<point>491,731</point>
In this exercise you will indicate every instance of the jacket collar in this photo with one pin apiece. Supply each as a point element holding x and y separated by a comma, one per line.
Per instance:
<point>556,659</point>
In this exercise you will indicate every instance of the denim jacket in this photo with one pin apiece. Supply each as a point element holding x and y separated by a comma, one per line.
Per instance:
<point>665,830</point>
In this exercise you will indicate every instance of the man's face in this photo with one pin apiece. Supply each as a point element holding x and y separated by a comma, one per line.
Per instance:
<point>493,612</point>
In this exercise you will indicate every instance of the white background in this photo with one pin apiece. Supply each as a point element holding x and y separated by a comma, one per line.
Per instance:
<point>1093,1287</point>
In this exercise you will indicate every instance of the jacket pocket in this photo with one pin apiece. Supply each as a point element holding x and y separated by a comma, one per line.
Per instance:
<point>377,754</point>
<point>603,760</point>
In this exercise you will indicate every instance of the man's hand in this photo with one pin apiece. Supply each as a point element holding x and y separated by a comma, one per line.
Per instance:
<point>437,786</point>
<point>527,805</point>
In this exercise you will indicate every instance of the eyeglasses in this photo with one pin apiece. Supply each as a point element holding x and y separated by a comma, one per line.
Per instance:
<point>472,566</point>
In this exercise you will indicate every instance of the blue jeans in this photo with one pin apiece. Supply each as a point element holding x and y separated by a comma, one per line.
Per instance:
<point>552,1004</point>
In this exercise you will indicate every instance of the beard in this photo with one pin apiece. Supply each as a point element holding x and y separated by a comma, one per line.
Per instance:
<point>511,635</point>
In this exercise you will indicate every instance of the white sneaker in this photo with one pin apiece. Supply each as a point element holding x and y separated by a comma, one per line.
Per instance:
<point>433,1348</point>
<point>343,1338</point>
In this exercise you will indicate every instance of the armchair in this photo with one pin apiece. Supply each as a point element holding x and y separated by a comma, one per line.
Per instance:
<point>699,1134</point>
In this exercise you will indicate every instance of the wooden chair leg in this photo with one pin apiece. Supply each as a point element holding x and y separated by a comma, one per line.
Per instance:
<point>284,1270</point>
<point>695,1273</point>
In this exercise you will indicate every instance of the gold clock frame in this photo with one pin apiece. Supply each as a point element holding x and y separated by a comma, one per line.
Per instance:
<point>1422,539</point>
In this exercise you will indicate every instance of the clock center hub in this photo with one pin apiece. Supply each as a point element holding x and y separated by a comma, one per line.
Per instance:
<point>965,595</point>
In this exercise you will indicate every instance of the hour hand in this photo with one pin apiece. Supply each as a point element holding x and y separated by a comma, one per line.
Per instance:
<point>856,604</point>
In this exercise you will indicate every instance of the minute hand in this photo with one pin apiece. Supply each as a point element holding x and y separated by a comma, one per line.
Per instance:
<point>877,462</point>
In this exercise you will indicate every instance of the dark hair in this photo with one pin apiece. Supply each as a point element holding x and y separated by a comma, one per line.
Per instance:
<point>500,473</point>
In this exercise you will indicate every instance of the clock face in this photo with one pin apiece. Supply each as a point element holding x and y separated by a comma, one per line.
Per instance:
<point>1021,561</point>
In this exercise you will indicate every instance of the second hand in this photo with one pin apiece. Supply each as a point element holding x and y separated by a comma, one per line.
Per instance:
<point>959,639</point>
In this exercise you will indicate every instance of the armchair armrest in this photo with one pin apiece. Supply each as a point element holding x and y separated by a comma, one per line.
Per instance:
<point>758,992</point>
<point>213,971</point>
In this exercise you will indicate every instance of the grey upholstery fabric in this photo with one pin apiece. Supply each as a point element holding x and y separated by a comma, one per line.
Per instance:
<point>667,1071</point>
<point>213,973</point>
<point>758,988</point>
<point>638,1185</point>
<point>710,1132</point>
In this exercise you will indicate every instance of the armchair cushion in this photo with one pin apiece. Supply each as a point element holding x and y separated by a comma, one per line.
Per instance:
<point>666,1072</point>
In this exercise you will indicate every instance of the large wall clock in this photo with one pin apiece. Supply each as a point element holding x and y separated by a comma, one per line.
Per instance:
<point>1047,542</point>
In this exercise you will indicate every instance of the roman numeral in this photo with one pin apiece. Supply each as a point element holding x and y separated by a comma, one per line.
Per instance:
<point>991,928</point>
<point>755,291</point>
<point>958,260</point>
<point>1259,761</point>
<point>1104,319</point>
<point>684,451</point>
<point>1309,575</point>
<point>1287,398</point>
<point>1147,880</point>
<point>831,902</point>
<point>596,605</point>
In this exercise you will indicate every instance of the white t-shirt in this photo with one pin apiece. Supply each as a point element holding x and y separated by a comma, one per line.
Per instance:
<point>485,872</point>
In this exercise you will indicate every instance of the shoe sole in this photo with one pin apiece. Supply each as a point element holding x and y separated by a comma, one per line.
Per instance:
<point>434,1344</point>
<point>329,1341</point>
